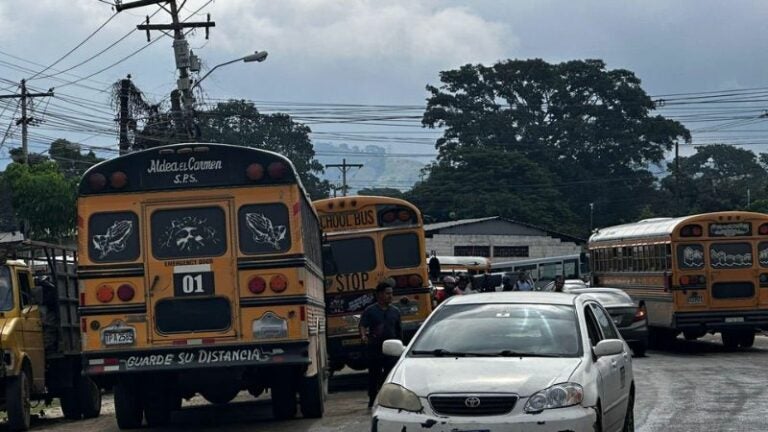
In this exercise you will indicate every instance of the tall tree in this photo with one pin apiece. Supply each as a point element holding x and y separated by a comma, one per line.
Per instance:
<point>718,177</point>
<point>238,122</point>
<point>43,198</point>
<point>589,129</point>
<point>69,158</point>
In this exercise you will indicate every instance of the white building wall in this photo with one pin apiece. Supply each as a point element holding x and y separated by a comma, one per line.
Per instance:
<point>538,246</point>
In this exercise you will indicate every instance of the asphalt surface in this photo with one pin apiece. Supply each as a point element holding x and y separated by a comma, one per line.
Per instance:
<point>690,386</point>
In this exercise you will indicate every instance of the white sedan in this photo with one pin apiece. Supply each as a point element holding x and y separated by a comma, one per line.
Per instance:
<point>510,361</point>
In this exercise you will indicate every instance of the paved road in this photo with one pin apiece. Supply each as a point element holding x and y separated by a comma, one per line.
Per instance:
<point>692,386</point>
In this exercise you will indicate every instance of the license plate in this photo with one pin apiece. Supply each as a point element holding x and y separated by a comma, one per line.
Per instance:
<point>120,337</point>
<point>734,319</point>
<point>695,300</point>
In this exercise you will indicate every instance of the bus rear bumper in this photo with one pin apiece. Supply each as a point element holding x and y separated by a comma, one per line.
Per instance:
<point>722,320</point>
<point>197,357</point>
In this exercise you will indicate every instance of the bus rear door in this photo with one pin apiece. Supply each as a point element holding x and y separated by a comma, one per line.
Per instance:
<point>191,270</point>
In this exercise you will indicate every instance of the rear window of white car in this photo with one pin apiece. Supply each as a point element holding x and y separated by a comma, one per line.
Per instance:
<point>531,330</point>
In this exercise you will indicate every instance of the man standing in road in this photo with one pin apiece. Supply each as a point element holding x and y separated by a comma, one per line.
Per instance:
<point>379,322</point>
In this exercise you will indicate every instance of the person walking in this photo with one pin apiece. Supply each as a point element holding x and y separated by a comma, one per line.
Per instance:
<point>379,322</point>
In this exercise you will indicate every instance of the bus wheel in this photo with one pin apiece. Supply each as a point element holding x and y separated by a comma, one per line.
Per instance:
<point>747,339</point>
<point>283,395</point>
<point>17,394</point>
<point>128,407</point>
<point>731,339</point>
<point>312,397</point>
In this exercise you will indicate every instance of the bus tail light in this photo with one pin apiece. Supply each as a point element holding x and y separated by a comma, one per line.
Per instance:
<point>277,170</point>
<point>97,181</point>
<point>693,281</point>
<point>401,281</point>
<point>83,325</point>
<point>278,283</point>
<point>389,217</point>
<point>404,215</point>
<point>118,180</point>
<point>691,231</point>
<point>255,171</point>
<point>763,230</point>
<point>257,285</point>
<point>105,294</point>
<point>125,292</point>
<point>640,314</point>
<point>414,281</point>
<point>684,280</point>
<point>764,279</point>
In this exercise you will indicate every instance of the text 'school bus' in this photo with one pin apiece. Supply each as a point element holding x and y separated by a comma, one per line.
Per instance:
<point>201,272</point>
<point>694,274</point>
<point>371,239</point>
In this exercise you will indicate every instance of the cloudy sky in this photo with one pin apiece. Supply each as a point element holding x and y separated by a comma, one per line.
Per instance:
<point>327,54</point>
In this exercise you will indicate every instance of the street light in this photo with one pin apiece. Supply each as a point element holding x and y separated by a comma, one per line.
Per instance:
<point>257,56</point>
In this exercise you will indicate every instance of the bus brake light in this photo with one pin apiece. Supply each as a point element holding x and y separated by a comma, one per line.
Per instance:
<point>684,280</point>
<point>278,283</point>
<point>105,293</point>
<point>404,215</point>
<point>276,170</point>
<point>97,181</point>
<point>125,292</point>
<point>414,281</point>
<point>763,230</point>
<point>257,285</point>
<point>118,180</point>
<point>401,281</point>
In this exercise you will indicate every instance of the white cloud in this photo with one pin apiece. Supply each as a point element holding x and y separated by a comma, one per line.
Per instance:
<point>411,32</point>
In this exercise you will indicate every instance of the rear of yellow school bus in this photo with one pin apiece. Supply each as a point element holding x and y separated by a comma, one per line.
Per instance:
<point>200,272</point>
<point>372,239</point>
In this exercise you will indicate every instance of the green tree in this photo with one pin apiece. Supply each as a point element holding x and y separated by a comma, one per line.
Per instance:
<point>484,182</point>
<point>385,192</point>
<point>588,129</point>
<point>44,198</point>
<point>69,158</point>
<point>240,123</point>
<point>717,177</point>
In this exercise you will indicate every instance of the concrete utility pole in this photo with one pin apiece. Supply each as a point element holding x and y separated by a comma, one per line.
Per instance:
<point>344,167</point>
<point>24,121</point>
<point>180,50</point>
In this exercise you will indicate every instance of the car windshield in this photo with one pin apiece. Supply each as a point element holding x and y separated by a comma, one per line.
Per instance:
<point>526,330</point>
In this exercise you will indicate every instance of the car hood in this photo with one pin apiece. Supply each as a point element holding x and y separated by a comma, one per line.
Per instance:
<point>524,376</point>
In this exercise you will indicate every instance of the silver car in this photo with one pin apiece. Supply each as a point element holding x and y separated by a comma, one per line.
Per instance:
<point>511,361</point>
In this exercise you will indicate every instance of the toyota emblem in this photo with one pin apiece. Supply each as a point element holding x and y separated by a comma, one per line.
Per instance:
<point>472,402</point>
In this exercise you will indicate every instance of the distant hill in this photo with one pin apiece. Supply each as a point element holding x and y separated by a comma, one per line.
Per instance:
<point>379,170</point>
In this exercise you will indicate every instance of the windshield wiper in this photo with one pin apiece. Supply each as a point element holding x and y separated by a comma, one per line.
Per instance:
<point>510,353</point>
<point>440,352</point>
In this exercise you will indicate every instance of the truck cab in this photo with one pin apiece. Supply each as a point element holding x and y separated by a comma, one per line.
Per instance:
<point>39,334</point>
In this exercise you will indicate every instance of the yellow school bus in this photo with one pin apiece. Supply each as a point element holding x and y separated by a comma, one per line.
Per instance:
<point>693,274</point>
<point>200,271</point>
<point>371,239</point>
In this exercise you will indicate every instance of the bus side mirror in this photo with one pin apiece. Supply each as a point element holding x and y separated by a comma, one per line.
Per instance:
<point>329,263</point>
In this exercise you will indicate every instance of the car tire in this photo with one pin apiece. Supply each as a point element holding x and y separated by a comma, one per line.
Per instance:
<point>598,417</point>
<point>629,417</point>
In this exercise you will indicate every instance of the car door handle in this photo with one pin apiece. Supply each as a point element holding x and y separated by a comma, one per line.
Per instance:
<point>614,363</point>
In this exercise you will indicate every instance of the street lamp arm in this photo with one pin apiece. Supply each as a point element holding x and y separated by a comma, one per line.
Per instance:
<point>258,56</point>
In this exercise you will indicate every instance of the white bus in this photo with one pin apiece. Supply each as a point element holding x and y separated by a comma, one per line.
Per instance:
<point>544,270</point>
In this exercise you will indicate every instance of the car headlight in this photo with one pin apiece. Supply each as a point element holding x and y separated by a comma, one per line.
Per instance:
<point>557,396</point>
<point>398,397</point>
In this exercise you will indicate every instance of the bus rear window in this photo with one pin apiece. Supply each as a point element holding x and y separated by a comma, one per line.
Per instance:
<point>401,250</point>
<point>113,237</point>
<point>188,232</point>
<point>730,255</point>
<point>690,256</point>
<point>264,228</point>
<point>354,255</point>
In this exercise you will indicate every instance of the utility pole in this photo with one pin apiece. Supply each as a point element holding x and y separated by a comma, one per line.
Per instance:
<point>180,49</point>
<point>124,120</point>
<point>344,167</point>
<point>24,121</point>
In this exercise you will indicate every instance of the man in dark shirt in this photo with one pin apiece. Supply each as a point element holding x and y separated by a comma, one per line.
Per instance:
<point>380,321</point>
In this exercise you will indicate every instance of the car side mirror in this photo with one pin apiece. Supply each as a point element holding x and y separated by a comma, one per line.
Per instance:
<point>393,347</point>
<point>329,263</point>
<point>609,347</point>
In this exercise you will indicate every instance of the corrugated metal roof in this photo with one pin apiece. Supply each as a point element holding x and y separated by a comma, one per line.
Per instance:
<point>442,225</point>
<point>656,227</point>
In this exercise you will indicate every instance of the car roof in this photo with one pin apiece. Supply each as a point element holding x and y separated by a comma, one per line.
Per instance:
<point>514,297</point>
